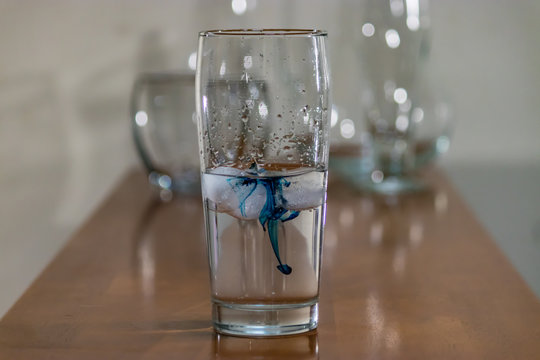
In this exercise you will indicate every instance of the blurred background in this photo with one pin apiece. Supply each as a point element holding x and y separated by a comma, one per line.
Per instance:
<point>67,69</point>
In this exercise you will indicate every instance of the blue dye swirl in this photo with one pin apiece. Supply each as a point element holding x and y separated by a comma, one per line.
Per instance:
<point>273,210</point>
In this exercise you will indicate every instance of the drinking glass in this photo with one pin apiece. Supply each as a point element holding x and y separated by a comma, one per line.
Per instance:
<point>164,130</point>
<point>262,107</point>
<point>399,122</point>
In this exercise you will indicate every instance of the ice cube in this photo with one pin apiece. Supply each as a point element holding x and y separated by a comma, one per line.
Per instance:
<point>252,205</point>
<point>305,199</point>
<point>216,189</point>
<point>305,191</point>
<point>226,191</point>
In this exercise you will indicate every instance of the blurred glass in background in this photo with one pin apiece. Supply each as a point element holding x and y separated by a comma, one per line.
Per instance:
<point>164,126</point>
<point>388,123</point>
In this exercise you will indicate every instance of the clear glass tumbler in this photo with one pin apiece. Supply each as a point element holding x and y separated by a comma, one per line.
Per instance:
<point>262,106</point>
<point>163,125</point>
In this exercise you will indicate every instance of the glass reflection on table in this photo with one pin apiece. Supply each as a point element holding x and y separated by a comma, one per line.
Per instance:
<point>303,346</point>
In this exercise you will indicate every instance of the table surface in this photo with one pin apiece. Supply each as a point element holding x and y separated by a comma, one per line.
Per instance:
<point>413,276</point>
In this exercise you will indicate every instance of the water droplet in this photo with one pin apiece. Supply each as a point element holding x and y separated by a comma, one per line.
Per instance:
<point>289,157</point>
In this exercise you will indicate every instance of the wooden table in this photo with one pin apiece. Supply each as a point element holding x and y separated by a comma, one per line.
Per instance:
<point>411,277</point>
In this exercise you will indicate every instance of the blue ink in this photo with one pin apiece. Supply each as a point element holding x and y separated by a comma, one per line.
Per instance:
<point>273,210</point>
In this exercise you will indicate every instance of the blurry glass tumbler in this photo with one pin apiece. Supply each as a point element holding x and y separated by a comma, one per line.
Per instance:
<point>400,123</point>
<point>164,130</point>
<point>262,102</point>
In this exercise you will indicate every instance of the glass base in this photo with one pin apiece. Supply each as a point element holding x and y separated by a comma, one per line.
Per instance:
<point>263,320</point>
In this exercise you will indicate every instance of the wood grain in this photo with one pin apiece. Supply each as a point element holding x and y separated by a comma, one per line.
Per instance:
<point>410,277</point>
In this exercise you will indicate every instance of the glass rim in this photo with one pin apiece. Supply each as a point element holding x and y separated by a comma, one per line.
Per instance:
<point>264,32</point>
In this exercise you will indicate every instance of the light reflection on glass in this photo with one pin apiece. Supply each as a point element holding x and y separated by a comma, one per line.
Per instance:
<point>347,128</point>
<point>443,144</point>
<point>400,95</point>
<point>165,181</point>
<point>368,30</point>
<point>413,14</point>
<point>141,118</point>
<point>377,176</point>
<point>263,110</point>
<point>334,117</point>
<point>402,123</point>
<point>392,38</point>
<point>192,61</point>
<point>248,62</point>
<point>205,103</point>
<point>239,7</point>
<point>222,68</point>
<point>417,115</point>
